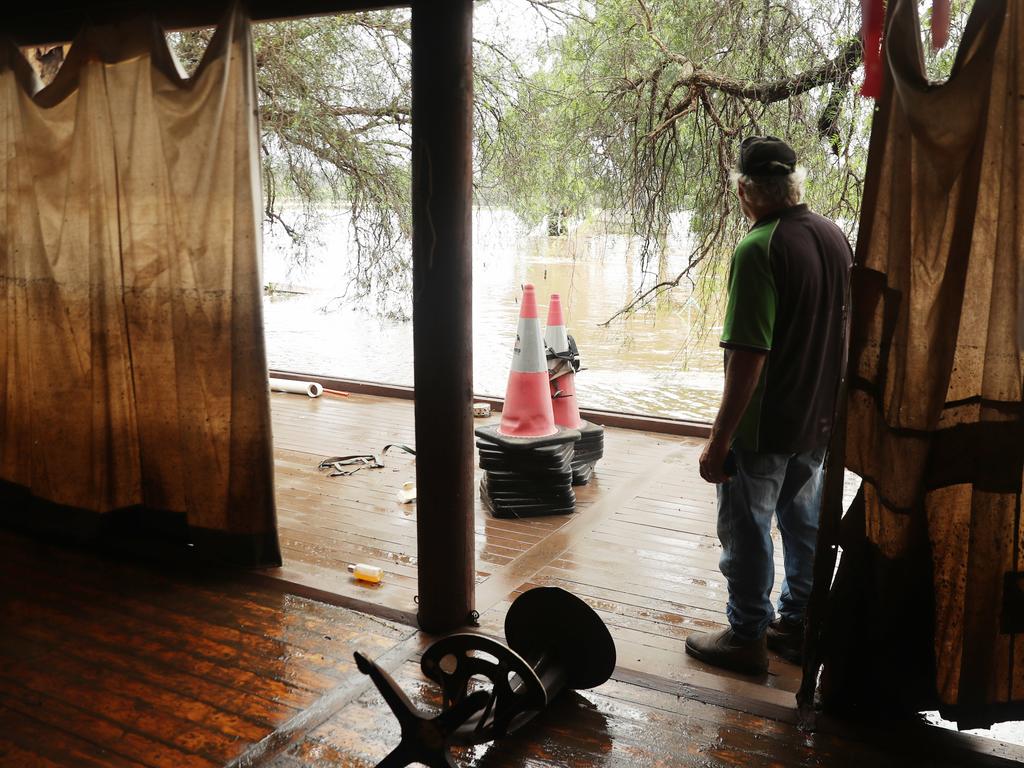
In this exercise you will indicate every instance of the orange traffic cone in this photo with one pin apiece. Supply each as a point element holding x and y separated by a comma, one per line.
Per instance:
<point>562,374</point>
<point>527,411</point>
<point>563,362</point>
<point>527,458</point>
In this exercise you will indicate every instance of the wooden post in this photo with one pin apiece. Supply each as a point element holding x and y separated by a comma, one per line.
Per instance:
<point>442,133</point>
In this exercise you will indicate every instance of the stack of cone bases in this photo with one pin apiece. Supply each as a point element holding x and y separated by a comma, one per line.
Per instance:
<point>563,363</point>
<point>527,458</point>
<point>527,483</point>
<point>588,451</point>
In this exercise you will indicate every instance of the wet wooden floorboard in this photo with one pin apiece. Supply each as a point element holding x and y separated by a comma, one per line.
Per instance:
<point>619,724</point>
<point>107,664</point>
<point>641,548</point>
<point>110,664</point>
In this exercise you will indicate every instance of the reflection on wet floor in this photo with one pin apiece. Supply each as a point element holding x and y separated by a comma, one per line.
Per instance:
<point>106,663</point>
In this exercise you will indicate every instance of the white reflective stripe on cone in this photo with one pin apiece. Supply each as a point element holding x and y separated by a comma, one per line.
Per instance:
<point>528,355</point>
<point>557,338</point>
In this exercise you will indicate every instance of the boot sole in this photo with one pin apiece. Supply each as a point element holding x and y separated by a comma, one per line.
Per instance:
<point>741,668</point>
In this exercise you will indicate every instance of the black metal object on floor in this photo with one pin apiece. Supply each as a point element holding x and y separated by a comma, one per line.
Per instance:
<point>555,641</point>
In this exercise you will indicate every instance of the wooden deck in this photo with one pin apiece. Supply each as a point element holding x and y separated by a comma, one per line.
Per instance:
<point>106,664</point>
<point>641,549</point>
<point>109,663</point>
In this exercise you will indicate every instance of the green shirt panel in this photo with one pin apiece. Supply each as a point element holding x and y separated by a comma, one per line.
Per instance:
<point>750,312</point>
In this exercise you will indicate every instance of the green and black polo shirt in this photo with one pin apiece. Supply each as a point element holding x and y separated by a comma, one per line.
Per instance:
<point>787,286</point>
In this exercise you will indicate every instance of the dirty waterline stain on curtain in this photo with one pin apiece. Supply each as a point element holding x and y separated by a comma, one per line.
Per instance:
<point>133,391</point>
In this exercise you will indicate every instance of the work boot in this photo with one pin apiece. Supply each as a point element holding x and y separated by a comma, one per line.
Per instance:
<point>786,638</point>
<point>728,650</point>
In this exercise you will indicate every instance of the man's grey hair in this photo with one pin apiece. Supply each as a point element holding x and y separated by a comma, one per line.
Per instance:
<point>772,191</point>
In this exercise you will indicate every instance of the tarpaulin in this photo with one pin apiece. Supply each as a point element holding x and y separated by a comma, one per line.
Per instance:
<point>927,607</point>
<point>133,377</point>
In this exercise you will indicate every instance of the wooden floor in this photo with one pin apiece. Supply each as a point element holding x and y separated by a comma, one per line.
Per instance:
<point>107,664</point>
<point>641,548</point>
<point>110,664</point>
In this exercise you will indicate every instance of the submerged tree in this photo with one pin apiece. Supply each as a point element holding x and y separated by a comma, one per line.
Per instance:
<point>641,105</point>
<point>632,106</point>
<point>335,102</point>
<point>649,99</point>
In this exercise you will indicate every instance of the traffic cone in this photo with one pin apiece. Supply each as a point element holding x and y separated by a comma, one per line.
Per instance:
<point>527,458</point>
<point>561,371</point>
<point>527,411</point>
<point>563,363</point>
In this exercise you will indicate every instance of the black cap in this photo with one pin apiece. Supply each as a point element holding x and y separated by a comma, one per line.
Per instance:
<point>766,156</point>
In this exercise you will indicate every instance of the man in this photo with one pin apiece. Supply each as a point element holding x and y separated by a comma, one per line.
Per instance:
<point>784,346</point>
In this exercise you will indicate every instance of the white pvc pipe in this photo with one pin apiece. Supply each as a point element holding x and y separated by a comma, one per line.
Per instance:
<point>311,388</point>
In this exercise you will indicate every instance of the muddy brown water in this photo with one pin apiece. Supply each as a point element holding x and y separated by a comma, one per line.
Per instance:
<point>662,360</point>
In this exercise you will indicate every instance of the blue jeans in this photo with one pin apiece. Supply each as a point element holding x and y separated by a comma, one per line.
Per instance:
<point>766,485</point>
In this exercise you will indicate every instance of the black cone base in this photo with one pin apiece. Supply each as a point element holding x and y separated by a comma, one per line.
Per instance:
<point>527,477</point>
<point>588,450</point>
<point>548,622</point>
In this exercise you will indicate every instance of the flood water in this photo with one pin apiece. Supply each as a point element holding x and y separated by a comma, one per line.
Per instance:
<point>663,360</point>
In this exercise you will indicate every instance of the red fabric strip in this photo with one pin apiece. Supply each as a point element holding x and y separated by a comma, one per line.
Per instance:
<point>940,24</point>
<point>873,17</point>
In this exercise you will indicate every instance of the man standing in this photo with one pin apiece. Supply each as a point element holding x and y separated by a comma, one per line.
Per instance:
<point>784,346</point>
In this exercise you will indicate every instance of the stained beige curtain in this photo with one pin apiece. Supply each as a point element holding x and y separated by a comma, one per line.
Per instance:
<point>926,611</point>
<point>133,390</point>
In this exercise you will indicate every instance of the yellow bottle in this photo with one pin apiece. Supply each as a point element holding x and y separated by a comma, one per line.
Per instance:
<point>368,573</point>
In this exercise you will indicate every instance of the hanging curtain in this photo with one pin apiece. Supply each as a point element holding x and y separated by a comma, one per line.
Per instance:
<point>133,388</point>
<point>927,611</point>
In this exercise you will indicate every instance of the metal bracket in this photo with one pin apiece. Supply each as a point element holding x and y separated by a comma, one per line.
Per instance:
<point>424,739</point>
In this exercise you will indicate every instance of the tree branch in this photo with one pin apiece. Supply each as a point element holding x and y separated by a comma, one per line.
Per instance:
<point>836,70</point>
<point>771,91</point>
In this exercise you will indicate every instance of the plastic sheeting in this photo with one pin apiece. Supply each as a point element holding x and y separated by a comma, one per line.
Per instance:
<point>134,374</point>
<point>926,609</point>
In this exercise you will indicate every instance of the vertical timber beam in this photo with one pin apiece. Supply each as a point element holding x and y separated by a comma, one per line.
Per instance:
<point>442,134</point>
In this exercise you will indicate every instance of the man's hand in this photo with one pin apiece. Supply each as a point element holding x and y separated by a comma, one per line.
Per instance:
<point>742,373</point>
<point>712,460</point>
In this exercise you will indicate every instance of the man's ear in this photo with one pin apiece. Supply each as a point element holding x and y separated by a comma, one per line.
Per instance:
<point>739,191</point>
